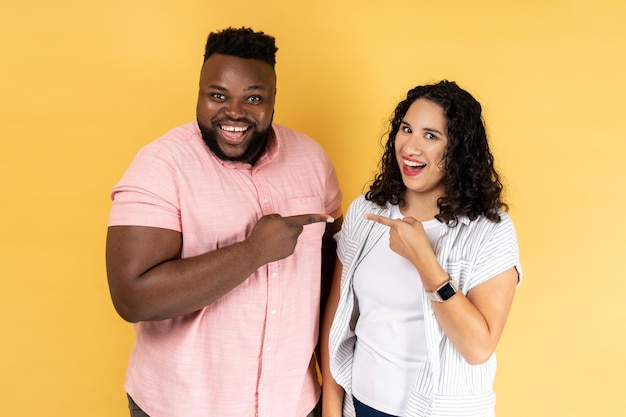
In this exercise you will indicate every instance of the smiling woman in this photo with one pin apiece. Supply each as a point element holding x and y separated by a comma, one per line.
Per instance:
<point>449,264</point>
<point>420,145</point>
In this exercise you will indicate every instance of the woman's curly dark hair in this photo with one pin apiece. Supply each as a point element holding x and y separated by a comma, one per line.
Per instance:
<point>472,185</point>
<point>242,43</point>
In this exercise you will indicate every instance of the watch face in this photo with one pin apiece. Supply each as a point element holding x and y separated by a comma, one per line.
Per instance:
<point>446,291</point>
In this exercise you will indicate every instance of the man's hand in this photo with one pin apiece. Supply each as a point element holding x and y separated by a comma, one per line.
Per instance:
<point>275,237</point>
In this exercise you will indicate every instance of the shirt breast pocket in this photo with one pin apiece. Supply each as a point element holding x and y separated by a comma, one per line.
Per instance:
<point>307,205</point>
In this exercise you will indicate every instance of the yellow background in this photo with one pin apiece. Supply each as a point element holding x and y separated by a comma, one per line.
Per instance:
<point>84,84</point>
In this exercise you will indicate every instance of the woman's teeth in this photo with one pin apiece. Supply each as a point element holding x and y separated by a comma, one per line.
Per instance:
<point>414,164</point>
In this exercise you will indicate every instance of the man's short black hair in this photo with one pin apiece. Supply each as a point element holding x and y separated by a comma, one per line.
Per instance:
<point>242,43</point>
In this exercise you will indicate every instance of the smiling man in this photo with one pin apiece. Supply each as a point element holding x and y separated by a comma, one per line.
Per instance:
<point>216,240</point>
<point>236,106</point>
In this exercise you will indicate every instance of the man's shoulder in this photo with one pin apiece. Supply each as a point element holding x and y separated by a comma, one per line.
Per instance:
<point>287,135</point>
<point>174,138</point>
<point>282,130</point>
<point>184,132</point>
<point>299,147</point>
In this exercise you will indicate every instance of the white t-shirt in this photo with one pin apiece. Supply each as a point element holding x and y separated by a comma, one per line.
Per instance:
<point>391,341</point>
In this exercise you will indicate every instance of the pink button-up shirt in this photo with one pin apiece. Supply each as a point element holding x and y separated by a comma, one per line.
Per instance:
<point>250,352</point>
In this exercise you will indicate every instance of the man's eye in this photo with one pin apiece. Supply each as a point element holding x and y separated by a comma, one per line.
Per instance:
<point>218,96</point>
<point>254,99</point>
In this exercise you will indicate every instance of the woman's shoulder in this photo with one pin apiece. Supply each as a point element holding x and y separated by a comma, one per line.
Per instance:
<point>485,229</point>
<point>361,206</point>
<point>484,222</point>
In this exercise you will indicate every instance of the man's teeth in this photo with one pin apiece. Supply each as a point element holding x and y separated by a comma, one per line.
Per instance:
<point>413,164</point>
<point>234,128</point>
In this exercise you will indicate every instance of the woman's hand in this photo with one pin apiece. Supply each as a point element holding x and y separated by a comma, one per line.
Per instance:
<point>408,239</point>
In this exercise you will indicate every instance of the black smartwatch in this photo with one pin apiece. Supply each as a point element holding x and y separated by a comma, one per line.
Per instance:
<point>444,292</point>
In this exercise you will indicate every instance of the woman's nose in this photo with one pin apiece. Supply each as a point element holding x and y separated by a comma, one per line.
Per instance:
<point>413,148</point>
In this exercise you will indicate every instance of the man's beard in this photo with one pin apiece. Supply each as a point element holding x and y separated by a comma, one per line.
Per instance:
<point>253,151</point>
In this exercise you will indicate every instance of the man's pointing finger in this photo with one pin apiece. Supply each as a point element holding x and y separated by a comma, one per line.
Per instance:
<point>304,219</point>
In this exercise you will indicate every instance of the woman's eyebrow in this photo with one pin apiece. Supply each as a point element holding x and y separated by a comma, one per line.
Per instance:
<point>430,129</point>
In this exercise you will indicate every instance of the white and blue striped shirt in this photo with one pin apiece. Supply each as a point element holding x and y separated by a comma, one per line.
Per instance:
<point>471,253</point>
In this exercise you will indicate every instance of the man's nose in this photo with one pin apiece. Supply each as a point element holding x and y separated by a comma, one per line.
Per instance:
<point>234,109</point>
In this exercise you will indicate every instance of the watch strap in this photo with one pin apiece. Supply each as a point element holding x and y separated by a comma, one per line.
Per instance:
<point>444,292</point>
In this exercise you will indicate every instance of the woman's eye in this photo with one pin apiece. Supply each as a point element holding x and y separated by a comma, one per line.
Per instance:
<point>430,136</point>
<point>406,129</point>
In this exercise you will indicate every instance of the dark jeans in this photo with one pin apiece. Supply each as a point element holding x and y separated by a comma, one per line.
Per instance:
<point>363,410</point>
<point>135,411</point>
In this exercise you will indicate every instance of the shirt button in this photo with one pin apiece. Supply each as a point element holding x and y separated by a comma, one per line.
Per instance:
<point>268,348</point>
<point>265,201</point>
<point>273,312</point>
<point>274,274</point>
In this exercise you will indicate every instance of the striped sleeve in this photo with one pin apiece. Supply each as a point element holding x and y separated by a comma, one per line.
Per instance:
<point>498,252</point>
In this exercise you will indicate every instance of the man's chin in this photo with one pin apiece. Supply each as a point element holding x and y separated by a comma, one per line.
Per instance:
<point>230,152</point>
<point>246,150</point>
